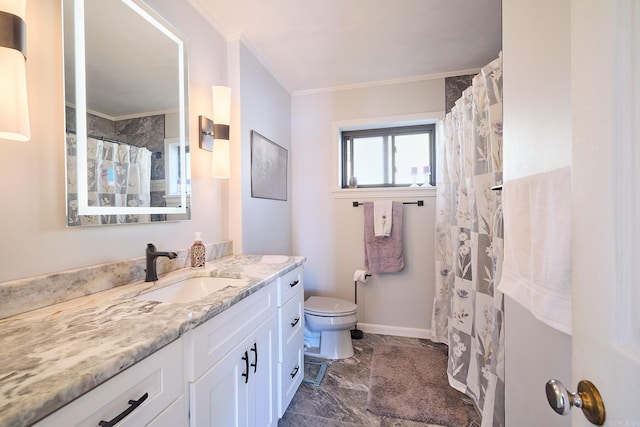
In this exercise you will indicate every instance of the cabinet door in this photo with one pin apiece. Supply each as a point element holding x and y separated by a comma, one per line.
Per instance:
<point>219,397</point>
<point>262,399</point>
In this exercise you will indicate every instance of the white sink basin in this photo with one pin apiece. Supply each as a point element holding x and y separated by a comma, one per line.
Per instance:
<point>192,289</point>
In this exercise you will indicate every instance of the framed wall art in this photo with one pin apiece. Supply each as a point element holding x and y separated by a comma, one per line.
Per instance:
<point>268,168</point>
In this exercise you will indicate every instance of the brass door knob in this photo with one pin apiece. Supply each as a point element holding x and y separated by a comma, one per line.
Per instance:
<point>587,398</point>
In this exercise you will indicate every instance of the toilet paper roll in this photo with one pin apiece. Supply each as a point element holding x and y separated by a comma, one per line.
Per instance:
<point>361,276</point>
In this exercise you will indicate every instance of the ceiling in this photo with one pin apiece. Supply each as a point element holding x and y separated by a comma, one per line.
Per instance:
<point>319,44</point>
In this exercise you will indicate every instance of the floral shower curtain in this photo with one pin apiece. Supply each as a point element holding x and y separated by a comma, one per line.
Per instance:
<point>118,174</point>
<point>468,309</point>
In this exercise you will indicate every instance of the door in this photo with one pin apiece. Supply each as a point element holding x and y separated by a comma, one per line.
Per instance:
<point>606,204</point>
<point>262,389</point>
<point>219,396</point>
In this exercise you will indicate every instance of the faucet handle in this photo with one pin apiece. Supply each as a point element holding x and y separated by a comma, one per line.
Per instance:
<point>151,247</point>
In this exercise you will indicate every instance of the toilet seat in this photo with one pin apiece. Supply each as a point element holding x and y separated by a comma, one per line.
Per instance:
<point>329,307</point>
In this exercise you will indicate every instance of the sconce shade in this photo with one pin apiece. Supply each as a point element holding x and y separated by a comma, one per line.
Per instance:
<point>221,105</point>
<point>14,108</point>
<point>220,158</point>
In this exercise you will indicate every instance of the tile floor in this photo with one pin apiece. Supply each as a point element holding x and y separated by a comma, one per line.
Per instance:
<point>341,398</point>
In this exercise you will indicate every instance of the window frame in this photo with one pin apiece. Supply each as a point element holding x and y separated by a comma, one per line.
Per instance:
<point>388,132</point>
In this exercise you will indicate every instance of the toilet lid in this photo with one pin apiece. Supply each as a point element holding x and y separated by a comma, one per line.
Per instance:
<point>325,306</point>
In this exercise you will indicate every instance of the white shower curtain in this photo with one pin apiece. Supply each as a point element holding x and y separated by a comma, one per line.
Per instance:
<point>118,174</point>
<point>468,309</point>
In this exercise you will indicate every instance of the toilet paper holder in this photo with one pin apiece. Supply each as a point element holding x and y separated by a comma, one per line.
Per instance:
<point>358,276</point>
<point>361,276</point>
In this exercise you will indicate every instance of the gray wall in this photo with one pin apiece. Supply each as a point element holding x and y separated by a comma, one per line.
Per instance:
<point>329,231</point>
<point>265,108</point>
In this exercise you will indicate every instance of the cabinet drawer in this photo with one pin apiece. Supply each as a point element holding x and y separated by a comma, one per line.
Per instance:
<point>289,284</point>
<point>290,323</point>
<point>290,372</point>
<point>175,415</point>
<point>218,336</point>
<point>159,376</point>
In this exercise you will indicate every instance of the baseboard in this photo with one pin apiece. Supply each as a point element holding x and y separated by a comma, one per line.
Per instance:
<point>395,330</point>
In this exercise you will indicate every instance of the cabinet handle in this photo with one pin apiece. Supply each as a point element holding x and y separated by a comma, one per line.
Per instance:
<point>295,371</point>
<point>133,405</point>
<point>295,282</point>
<point>246,365</point>
<point>255,350</point>
<point>295,322</point>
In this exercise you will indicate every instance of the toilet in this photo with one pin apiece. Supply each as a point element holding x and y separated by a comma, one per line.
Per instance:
<point>327,324</point>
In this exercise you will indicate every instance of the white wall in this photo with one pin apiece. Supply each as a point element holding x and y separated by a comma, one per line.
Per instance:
<point>34,238</point>
<point>537,138</point>
<point>329,231</point>
<point>260,225</point>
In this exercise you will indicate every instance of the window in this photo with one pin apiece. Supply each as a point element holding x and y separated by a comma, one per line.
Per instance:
<point>173,179</point>
<point>389,157</point>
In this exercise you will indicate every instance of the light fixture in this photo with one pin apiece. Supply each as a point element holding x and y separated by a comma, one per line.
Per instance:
<point>221,119</point>
<point>214,134</point>
<point>14,110</point>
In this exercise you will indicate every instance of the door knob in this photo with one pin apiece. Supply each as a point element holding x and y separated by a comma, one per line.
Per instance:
<point>587,398</point>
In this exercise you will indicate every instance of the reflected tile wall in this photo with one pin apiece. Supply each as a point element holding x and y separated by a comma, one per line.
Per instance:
<point>453,88</point>
<point>146,132</point>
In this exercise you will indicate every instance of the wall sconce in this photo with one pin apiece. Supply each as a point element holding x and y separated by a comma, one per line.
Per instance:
<point>14,109</point>
<point>214,134</point>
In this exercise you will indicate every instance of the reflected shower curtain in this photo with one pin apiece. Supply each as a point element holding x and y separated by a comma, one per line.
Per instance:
<point>468,309</point>
<point>118,174</point>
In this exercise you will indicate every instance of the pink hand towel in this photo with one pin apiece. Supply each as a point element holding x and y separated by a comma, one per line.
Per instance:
<point>383,254</point>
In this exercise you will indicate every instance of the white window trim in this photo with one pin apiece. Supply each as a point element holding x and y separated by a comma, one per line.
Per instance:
<point>369,123</point>
<point>382,193</point>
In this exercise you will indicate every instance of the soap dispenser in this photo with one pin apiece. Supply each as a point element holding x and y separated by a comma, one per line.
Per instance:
<point>198,252</point>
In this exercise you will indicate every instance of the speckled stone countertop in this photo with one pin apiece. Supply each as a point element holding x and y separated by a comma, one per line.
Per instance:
<point>52,355</point>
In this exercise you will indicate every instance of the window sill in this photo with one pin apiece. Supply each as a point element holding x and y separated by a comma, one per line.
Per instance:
<point>379,193</point>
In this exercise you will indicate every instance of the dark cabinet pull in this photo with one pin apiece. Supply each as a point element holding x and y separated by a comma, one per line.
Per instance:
<point>246,365</point>
<point>295,371</point>
<point>295,322</point>
<point>255,350</point>
<point>134,404</point>
<point>295,282</point>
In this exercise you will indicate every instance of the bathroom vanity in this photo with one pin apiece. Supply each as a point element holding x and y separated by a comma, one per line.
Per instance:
<point>232,357</point>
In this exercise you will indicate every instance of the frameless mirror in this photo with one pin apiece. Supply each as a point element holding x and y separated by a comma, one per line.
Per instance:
<point>126,89</point>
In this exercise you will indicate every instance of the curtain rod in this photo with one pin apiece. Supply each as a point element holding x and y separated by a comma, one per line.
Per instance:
<point>102,138</point>
<point>419,203</point>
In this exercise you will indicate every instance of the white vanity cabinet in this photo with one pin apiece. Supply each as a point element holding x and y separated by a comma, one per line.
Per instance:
<point>240,368</point>
<point>149,393</point>
<point>290,300</point>
<point>232,380</point>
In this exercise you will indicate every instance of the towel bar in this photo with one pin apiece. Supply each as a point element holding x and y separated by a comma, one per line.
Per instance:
<point>419,203</point>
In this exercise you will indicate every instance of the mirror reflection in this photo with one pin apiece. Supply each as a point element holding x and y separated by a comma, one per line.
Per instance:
<point>126,111</point>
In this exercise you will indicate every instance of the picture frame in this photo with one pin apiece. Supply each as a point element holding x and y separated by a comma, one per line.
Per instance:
<point>269,165</point>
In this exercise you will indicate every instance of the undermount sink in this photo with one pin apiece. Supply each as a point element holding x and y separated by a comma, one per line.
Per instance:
<point>191,289</point>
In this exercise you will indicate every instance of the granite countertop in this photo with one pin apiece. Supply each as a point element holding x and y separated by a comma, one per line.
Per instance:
<point>52,355</point>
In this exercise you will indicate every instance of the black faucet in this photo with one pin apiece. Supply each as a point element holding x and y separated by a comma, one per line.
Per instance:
<point>152,254</point>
